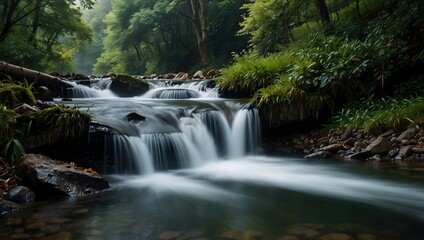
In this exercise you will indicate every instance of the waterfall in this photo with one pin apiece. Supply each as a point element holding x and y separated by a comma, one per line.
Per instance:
<point>245,133</point>
<point>82,91</point>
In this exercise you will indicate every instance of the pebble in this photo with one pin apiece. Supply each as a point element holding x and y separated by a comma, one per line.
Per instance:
<point>241,235</point>
<point>306,230</point>
<point>336,236</point>
<point>366,236</point>
<point>14,221</point>
<point>59,220</point>
<point>61,236</point>
<point>80,211</point>
<point>288,237</point>
<point>35,225</point>
<point>168,235</point>
<point>21,236</point>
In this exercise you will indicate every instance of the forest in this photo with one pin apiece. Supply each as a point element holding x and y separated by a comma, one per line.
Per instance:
<point>294,59</point>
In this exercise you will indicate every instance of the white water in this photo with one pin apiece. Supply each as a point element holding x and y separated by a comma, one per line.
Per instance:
<point>205,182</point>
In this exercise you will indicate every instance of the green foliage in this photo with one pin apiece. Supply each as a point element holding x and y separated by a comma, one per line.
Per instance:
<point>377,116</point>
<point>251,73</point>
<point>12,94</point>
<point>7,124</point>
<point>13,150</point>
<point>55,123</point>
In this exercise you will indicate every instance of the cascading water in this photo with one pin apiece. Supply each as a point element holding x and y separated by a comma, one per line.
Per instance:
<point>177,127</point>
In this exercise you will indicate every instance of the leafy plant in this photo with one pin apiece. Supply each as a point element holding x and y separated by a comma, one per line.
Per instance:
<point>13,150</point>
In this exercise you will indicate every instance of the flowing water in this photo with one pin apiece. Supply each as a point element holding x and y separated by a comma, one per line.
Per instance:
<point>192,168</point>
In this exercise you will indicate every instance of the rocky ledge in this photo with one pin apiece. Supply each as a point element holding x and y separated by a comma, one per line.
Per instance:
<point>48,177</point>
<point>354,144</point>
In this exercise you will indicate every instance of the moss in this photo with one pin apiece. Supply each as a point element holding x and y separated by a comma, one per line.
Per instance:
<point>12,94</point>
<point>7,124</point>
<point>128,86</point>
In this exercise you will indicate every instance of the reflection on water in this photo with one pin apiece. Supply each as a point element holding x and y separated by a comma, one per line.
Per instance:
<point>246,198</point>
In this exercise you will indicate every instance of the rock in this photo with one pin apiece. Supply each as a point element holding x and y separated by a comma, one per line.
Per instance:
<point>319,155</point>
<point>109,75</point>
<point>380,145</point>
<point>336,236</point>
<point>405,142</point>
<point>169,76</point>
<point>360,144</point>
<point>324,140</point>
<point>168,235</point>
<point>347,134</point>
<point>44,93</point>
<point>405,151</point>
<point>419,150</point>
<point>350,142</point>
<point>21,195</point>
<point>288,237</point>
<point>333,148</point>
<point>305,230</point>
<point>366,236</point>
<point>213,73</point>
<point>387,134</point>
<point>359,156</point>
<point>413,141</point>
<point>25,109</point>
<point>241,235</point>
<point>7,207</point>
<point>199,74</point>
<point>408,134</point>
<point>128,86</point>
<point>421,140</point>
<point>135,117</point>
<point>181,75</point>
<point>47,176</point>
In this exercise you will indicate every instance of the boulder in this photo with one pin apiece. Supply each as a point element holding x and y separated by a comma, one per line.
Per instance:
<point>128,86</point>
<point>405,151</point>
<point>359,156</point>
<point>380,145</point>
<point>181,74</point>
<point>7,207</point>
<point>135,117</point>
<point>21,195</point>
<point>169,76</point>
<point>47,176</point>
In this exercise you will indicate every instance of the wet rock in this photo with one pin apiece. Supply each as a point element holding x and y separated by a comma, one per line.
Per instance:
<point>128,86</point>
<point>405,142</point>
<point>380,145</point>
<point>333,148</point>
<point>47,176</point>
<point>20,195</point>
<point>7,207</point>
<point>347,134</point>
<point>241,235</point>
<point>359,156</point>
<point>336,236</point>
<point>319,155</point>
<point>324,140</point>
<point>135,117</point>
<point>408,134</point>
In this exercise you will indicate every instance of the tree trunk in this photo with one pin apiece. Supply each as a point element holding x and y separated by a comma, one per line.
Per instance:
<point>24,74</point>
<point>36,21</point>
<point>322,11</point>
<point>7,20</point>
<point>198,16</point>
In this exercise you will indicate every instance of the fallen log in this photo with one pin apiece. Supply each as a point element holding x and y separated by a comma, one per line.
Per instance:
<point>22,74</point>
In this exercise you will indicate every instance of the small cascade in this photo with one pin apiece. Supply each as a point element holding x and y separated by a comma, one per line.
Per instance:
<point>202,87</point>
<point>174,93</point>
<point>198,138</point>
<point>129,154</point>
<point>245,133</point>
<point>218,126</point>
<point>82,91</point>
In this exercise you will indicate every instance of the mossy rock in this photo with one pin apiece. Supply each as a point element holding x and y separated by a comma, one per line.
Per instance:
<point>13,94</point>
<point>128,86</point>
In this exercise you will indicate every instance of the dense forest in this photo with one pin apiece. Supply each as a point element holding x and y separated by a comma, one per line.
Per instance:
<point>295,59</point>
